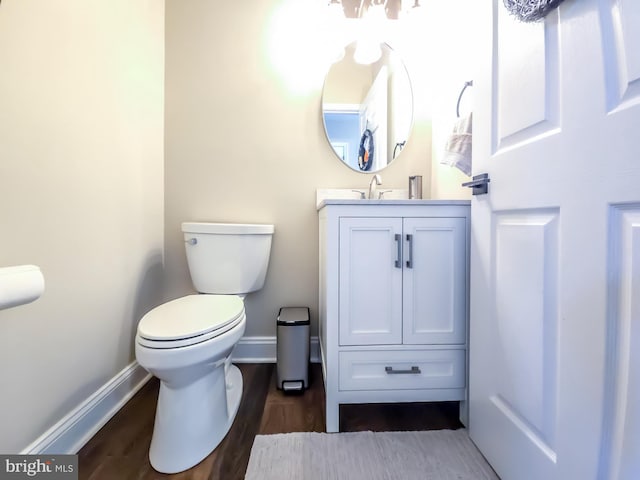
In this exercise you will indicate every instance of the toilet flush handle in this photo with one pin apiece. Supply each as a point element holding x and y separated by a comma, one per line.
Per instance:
<point>191,241</point>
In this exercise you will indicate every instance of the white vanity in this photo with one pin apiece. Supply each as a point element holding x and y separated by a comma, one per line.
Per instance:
<point>393,304</point>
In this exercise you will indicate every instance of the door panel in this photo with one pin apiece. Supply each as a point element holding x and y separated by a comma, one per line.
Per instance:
<point>370,283</point>
<point>622,418</point>
<point>554,244</point>
<point>526,99</point>
<point>435,285</point>
<point>621,42</point>
<point>526,309</point>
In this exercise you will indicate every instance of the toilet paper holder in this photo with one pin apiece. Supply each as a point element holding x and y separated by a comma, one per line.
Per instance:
<point>20,285</point>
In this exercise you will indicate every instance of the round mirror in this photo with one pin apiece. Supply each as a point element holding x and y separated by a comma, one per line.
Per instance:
<point>367,109</point>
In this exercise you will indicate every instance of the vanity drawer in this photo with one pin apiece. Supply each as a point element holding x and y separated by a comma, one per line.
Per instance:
<point>402,370</point>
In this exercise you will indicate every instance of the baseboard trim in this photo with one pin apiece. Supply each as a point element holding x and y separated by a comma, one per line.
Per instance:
<point>71,433</point>
<point>263,350</point>
<point>74,430</point>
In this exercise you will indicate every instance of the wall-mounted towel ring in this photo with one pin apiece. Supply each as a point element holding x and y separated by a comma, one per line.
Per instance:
<point>466,84</point>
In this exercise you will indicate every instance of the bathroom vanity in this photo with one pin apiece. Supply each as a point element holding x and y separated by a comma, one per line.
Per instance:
<point>393,303</point>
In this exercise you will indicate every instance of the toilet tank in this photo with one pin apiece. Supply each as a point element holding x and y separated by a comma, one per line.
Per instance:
<point>227,258</point>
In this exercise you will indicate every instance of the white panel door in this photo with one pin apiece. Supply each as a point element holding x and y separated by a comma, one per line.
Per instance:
<point>555,244</point>
<point>370,281</point>
<point>435,281</point>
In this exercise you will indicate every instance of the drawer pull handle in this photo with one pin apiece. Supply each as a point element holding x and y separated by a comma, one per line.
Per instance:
<point>414,371</point>
<point>398,239</point>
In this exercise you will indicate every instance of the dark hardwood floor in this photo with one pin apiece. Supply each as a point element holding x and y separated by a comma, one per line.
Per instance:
<point>120,449</point>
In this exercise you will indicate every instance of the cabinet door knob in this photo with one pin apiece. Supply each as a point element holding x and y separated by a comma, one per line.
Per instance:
<point>410,240</point>
<point>398,238</point>
<point>413,371</point>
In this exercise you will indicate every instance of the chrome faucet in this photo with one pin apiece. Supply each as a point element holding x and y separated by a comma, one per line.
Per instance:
<point>376,180</point>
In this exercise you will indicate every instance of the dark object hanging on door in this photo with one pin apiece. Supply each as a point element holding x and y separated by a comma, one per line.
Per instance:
<point>531,10</point>
<point>365,154</point>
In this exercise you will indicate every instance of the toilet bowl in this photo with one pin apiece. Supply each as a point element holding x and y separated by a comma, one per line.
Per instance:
<point>187,343</point>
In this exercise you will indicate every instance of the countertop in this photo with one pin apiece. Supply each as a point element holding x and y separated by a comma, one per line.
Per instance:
<point>393,201</point>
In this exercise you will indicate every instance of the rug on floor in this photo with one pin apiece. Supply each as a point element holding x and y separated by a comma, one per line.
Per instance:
<point>430,455</point>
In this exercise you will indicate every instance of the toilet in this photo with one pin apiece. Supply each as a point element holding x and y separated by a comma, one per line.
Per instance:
<point>187,342</point>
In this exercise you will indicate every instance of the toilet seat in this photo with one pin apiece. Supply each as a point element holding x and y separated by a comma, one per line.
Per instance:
<point>189,320</point>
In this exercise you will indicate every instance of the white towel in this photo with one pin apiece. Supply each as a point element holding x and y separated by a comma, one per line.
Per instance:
<point>457,151</point>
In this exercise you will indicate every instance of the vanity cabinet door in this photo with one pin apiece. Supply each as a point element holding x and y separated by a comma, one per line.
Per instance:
<point>435,281</point>
<point>370,289</point>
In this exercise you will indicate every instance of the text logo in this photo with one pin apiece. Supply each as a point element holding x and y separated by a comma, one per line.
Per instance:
<point>49,467</point>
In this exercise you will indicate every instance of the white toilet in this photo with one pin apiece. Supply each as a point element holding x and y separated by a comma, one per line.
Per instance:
<point>187,342</point>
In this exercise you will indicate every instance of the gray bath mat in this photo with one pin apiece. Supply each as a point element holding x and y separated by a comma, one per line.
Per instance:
<point>431,455</point>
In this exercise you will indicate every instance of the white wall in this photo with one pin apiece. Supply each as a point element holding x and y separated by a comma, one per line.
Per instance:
<point>81,195</point>
<point>451,31</point>
<point>245,140</point>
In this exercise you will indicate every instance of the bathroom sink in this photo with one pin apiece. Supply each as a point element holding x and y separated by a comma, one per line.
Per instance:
<point>387,194</point>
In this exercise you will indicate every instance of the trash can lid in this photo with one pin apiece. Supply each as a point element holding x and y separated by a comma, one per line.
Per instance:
<point>293,316</point>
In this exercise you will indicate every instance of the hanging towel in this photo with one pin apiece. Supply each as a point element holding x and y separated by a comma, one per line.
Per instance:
<point>457,151</point>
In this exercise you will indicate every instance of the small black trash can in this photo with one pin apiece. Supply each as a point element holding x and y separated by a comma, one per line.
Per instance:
<point>293,349</point>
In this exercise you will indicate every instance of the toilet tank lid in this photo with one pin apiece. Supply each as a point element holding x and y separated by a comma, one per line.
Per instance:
<point>227,228</point>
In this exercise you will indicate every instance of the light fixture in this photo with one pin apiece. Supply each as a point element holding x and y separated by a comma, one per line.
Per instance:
<point>335,10</point>
<point>393,9</point>
<point>334,34</point>
<point>369,19</point>
<point>372,31</point>
<point>413,9</point>
<point>416,4</point>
